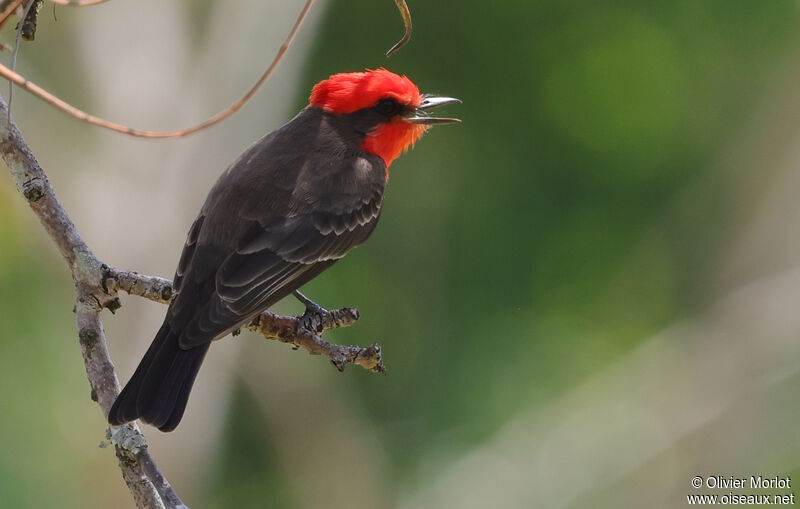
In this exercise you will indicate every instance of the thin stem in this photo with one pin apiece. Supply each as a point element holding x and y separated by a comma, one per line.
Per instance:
<point>402,6</point>
<point>78,3</point>
<point>64,106</point>
<point>20,25</point>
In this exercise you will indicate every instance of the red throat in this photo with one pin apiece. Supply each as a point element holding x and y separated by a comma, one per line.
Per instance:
<point>390,140</point>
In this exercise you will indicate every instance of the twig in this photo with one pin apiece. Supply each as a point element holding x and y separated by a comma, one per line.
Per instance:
<point>20,28</point>
<point>294,330</point>
<point>10,8</point>
<point>64,106</point>
<point>406,15</point>
<point>78,3</point>
<point>156,289</point>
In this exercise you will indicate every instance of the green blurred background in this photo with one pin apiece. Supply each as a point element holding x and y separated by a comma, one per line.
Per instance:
<point>586,293</point>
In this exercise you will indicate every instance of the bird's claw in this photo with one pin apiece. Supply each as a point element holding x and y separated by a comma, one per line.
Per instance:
<point>315,316</point>
<point>311,321</point>
<point>339,363</point>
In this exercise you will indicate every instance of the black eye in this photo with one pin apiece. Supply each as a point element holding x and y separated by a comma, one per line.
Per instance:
<point>388,107</point>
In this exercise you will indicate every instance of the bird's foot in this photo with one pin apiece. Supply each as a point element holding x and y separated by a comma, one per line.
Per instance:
<point>317,319</point>
<point>315,316</point>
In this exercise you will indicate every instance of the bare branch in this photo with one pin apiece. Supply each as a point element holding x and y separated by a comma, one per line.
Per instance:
<point>88,272</point>
<point>299,331</point>
<point>154,288</point>
<point>164,488</point>
<point>32,183</point>
<point>131,447</point>
<point>64,106</point>
<point>105,387</point>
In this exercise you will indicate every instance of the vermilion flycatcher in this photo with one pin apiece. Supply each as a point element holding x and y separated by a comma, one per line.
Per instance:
<point>291,205</point>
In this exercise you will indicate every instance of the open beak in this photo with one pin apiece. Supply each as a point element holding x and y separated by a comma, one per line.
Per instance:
<point>421,116</point>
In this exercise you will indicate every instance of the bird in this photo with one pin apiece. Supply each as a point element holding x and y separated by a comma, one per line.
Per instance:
<point>291,205</point>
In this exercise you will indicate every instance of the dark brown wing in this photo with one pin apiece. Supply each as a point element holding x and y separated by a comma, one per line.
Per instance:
<point>274,260</point>
<point>270,225</point>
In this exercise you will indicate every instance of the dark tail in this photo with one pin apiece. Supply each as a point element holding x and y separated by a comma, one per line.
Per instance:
<point>159,388</point>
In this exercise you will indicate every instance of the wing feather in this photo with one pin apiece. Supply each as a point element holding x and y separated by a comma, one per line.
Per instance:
<point>273,258</point>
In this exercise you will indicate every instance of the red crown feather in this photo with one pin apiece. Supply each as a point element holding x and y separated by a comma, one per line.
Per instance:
<point>351,91</point>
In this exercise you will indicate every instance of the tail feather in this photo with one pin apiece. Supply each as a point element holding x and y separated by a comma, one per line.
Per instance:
<point>183,395</point>
<point>159,389</point>
<point>124,408</point>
